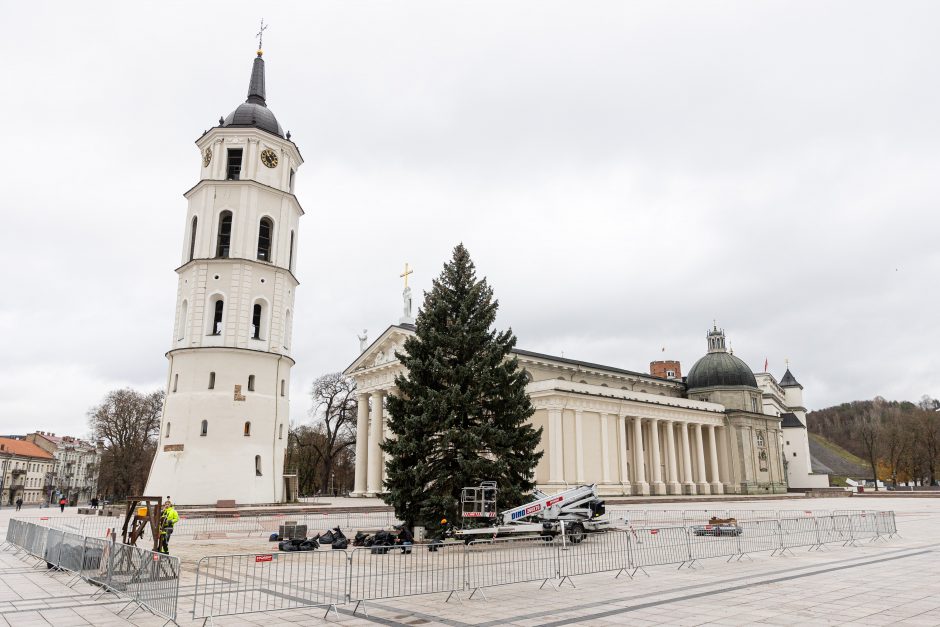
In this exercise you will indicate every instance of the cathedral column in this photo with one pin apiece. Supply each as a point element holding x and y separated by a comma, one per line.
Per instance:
<point>688,487</point>
<point>376,456</point>
<point>622,453</point>
<point>579,446</point>
<point>702,481</point>
<point>716,486</point>
<point>556,451</point>
<point>362,444</point>
<point>657,486</point>
<point>605,451</point>
<point>672,471</point>
<point>639,471</point>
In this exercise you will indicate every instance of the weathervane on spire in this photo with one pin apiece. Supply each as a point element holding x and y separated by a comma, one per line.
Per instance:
<point>260,35</point>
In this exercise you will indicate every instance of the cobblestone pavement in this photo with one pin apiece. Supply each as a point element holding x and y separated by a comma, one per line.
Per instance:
<point>882,583</point>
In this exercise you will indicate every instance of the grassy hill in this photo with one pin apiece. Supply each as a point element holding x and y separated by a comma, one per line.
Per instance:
<point>831,458</point>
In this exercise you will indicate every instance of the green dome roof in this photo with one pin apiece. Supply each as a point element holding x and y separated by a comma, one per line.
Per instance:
<point>720,369</point>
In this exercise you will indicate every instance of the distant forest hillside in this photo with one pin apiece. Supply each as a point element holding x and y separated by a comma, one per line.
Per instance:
<point>900,441</point>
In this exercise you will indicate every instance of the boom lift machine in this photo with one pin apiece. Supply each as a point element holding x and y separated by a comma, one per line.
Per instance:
<point>579,509</point>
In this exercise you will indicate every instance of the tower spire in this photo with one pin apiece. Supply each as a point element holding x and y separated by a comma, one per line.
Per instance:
<point>256,93</point>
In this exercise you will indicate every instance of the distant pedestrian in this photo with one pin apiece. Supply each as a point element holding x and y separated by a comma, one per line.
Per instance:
<point>94,502</point>
<point>19,503</point>
<point>62,504</point>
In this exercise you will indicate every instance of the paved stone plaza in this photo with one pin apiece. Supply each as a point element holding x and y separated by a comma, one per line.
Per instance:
<point>880,583</point>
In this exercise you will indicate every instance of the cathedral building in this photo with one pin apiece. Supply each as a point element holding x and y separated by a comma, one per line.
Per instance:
<point>717,431</point>
<point>224,428</point>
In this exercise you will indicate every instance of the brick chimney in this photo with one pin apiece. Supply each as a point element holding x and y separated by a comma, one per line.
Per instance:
<point>667,369</point>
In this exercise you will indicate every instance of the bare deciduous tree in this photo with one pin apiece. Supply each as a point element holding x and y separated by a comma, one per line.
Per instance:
<point>323,449</point>
<point>128,422</point>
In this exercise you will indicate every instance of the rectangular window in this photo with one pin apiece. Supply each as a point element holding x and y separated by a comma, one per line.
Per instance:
<point>234,167</point>
<point>211,380</point>
<point>176,379</point>
<point>291,181</point>
<point>282,387</point>
<point>251,383</point>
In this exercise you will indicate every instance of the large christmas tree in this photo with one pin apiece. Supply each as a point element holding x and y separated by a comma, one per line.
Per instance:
<point>461,412</point>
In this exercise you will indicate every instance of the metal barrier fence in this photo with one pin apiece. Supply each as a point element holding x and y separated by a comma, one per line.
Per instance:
<point>149,579</point>
<point>240,584</point>
<point>237,584</point>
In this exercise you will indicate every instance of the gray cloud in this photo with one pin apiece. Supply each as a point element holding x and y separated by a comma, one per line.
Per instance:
<point>622,173</point>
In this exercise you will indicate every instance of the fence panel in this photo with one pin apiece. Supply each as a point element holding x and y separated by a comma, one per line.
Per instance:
<point>758,536</point>
<point>659,546</point>
<point>95,555</point>
<point>885,524</point>
<point>864,525</point>
<point>596,553</point>
<point>796,532</point>
<point>52,546</point>
<point>512,560</point>
<point>834,529</point>
<point>147,577</point>
<point>70,552</point>
<point>386,572</point>
<point>707,541</point>
<point>260,582</point>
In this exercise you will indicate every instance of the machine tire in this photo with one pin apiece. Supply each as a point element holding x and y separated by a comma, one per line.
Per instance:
<point>576,533</point>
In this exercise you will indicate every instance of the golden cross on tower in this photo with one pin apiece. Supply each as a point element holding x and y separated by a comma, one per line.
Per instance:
<point>405,274</point>
<point>260,34</point>
<point>787,360</point>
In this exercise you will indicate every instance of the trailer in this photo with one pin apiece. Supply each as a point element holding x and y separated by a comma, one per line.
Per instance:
<point>576,510</point>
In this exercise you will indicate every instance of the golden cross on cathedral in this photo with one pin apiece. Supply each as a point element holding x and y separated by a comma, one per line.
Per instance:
<point>405,274</point>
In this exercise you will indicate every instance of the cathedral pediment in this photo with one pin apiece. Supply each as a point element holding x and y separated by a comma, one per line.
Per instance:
<point>381,352</point>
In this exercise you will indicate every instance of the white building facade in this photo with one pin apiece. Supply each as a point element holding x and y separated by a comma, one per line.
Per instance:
<point>630,433</point>
<point>225,422</point>
<point>785,399</point>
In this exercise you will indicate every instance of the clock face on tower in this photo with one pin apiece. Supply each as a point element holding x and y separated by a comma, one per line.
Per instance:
<point>207,157</point>
<point>269,158</point>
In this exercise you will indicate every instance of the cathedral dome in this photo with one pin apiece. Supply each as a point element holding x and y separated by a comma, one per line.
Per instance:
<point>719,368</point>
<point>254,112</point>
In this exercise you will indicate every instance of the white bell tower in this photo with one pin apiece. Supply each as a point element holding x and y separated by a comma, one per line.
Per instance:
<point>224,428</point>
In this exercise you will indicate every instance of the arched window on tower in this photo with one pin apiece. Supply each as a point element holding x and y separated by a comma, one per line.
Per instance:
<point>290,261</point>
<point>204,429</point>
<point>167,429</point>
<point>251,383</point>
<point>211,380</point>
<point>265,232</point>
<point>256,321</point>
<point>192,239</point>
<point>218,313</point>
<point>224,238</point>
<point>247,428</point>
<point>181,326</point>
<point>258,465</point>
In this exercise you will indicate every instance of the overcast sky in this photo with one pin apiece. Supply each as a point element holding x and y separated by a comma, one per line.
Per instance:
<point>623,174</point>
